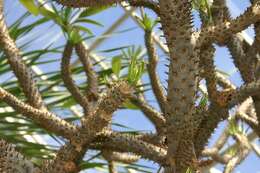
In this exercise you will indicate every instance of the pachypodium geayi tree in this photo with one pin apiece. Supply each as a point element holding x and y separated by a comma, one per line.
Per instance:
<point>183,127</point>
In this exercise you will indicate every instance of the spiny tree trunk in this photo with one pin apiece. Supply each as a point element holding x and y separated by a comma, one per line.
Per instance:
<point>183,129</point>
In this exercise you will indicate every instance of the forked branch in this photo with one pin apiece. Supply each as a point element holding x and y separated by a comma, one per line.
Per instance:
<point>224,30</point>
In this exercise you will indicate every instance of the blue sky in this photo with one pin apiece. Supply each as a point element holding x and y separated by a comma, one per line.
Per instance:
<point>131,118</point>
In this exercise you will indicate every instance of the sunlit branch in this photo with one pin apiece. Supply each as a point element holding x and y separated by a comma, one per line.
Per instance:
<point>225,154</point>
<point>215,114</point>
<point>23,73</point>
<point>176,20</point>
<point>224,82</point>
<point>120,157</point>
<point>236,48</point>
<point>129,143</point>
<point>244,92</point>
<point>248,115</point>
<point>207,63</point>
<point>112,167</point>
<point>92,79</point>
<point>150,4</point>
<point>154,139</point>
<point>153,115</point>
<point>216,156</point>
<point>256,149</point>
<point>243,151</point>
<point>213,152</point>
<point>67,78</point>
<point>154,78</point>
<point>223,31</point>
<point>92,125</point>
<point>45,119</point>
<point>97,3</point>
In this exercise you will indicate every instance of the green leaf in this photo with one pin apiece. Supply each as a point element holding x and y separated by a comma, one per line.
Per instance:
<point>92,11</point>
<point>233,127</point>
<point>87,165</point>
<point>69,102</point>
<point>30,6</point>
<point>130,105</point>
<point>84,29</point>
<point>147,23</point>
<point>83,20</point>
<point>47,13</point>
<point>116,65</point>
<point>141,70</point>
<point>203,6</point>
<point>204,101</point>
<point>189,170</point>
<point>74,36</point>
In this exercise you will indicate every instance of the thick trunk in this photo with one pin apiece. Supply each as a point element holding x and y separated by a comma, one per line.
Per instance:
<point>176,24</point>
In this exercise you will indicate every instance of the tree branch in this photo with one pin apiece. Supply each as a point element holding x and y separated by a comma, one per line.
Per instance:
<point>207,63</point>
<point>214,154</point>
<point>92,125</point>
<point>13,161</point>
<point>112,167</point>
<point>241,60</point>
<point>244,150</point>
<point>224,82</point>
<point>223,31</point>
<point>154,139</point>
<point>23,74</point>
<point>215,114</point>
<point>245,113</point>
<point>67,79</point>
<point>92,88</point>
<point>214,151</point>
<point>97,3</point>
<point>244,92</point>
<point>87,3</point>
<point>182,82</point>
<point>236,44</point>
<point>129,143</point>
<point>150,4</point>
<point>256,149</point>
<point>224,154</point>
<point>240,52</point>
<point>254,51</point>
<point>120,157</point>
<point>154,79</point>
<point>154,116</point>
<point>45,119</point>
